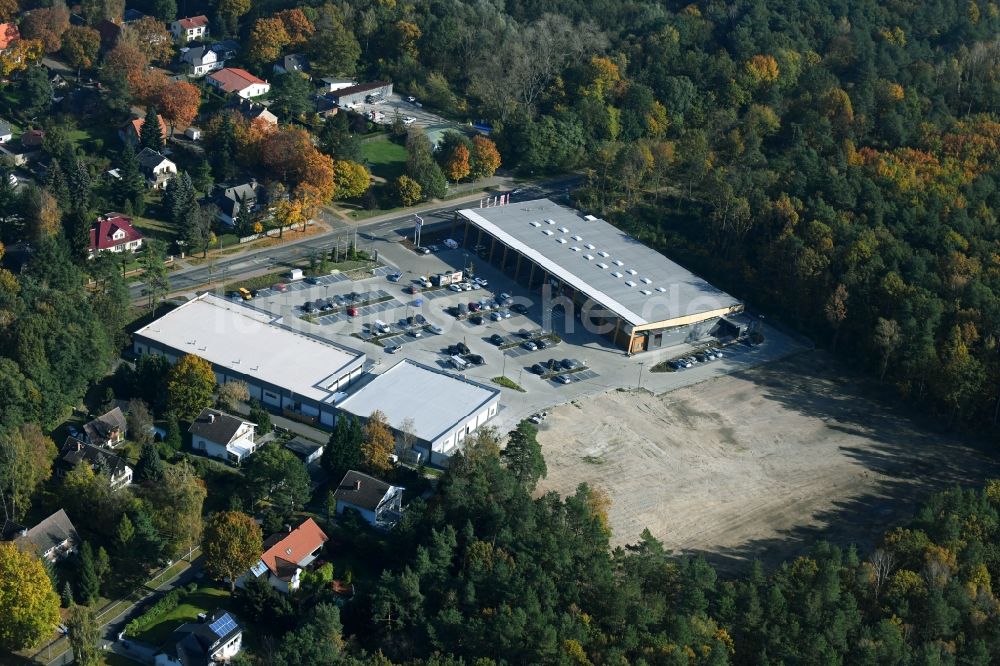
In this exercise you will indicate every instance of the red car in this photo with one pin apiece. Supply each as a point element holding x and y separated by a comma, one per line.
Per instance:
<point>281,286</point>
<point>352,311</point>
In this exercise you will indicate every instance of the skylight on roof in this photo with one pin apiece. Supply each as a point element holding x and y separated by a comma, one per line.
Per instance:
<point>590,246</point>
<point>617,274</point>
<point>631,271</point>
<point>602,265</point>
<point>547,232</point>
<point>564,230</point>
<point>646,292</point>
<point>575,248</point>
<point>535,224</point>
<point>619,262</point>
<point>588,257</point>
<point>662,289</point>
<point>646,281</point>
<point>630,283</point>
<point>603,253</point>
<point>577,238</point>
<point>561,240</point>
<point>549,220</point>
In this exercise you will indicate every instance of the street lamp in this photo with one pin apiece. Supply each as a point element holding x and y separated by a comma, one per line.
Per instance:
<point>639,384</point>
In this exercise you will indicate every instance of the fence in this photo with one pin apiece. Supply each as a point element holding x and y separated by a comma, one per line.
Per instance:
<point>272,232</point>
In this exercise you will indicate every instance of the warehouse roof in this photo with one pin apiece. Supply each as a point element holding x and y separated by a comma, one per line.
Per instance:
<point>254,344</point>
<point>402,392</point>
<point>637,283</point>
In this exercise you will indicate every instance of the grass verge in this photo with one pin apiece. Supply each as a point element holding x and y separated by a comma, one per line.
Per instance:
<point>507,382</point>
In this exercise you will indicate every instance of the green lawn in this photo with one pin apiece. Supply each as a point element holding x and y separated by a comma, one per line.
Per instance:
<point>155,228</point>
<point>206,599</point>
<point>385,158</point>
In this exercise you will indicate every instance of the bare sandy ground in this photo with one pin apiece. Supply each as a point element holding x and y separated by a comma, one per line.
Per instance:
<point>760,464</point>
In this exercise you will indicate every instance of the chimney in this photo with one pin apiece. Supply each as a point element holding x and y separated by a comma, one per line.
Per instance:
<point>357,485</point>
<point>288,529</point>
<point>211,418</point>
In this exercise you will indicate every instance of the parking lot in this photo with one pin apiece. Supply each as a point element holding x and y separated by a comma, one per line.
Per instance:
<point>603,367</point>
<point>434,124</point>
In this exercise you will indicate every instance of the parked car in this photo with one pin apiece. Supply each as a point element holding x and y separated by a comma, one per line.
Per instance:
<point>475,307</point>
<point>543,343</point>
<point>504,296</point>
<point>538,369</point>
<point>455,286</point>
<point>411,99</point>
<point>563,379</point>
<point>416,333</point>
<point>436,330</point>
<point>312,280</point>
<point>505,314</point>
<point>281,287</point>
<point>420,319</point>
<point>530,346</point>
<point>482,282</point>
<point>524,333</point>
<point>394,277</point>
<point>496,316</point>
<point>466,286</point>
<point>476,359</point>
<point>409,120</point>
<point>353,312</point>
<point>392,349</point>
<point>413,289</point>
<point>496,339</point>
<point>476,320</point>
<point>463,348</point>
<point>519,308</point>
<point>717,352</point>
<point>422,250</point>
<point>569,364</point>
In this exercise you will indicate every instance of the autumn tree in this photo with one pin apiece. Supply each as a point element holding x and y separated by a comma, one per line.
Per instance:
<point>887,338</point>
<point>485,157</point>
<point>231,394</point>
<point>26,456</point>
<point>96,11</point>
<point>456,166</point>
<point>351,179</point>
<point>297,25</point>
<point>232,544</point>
<point>46,24</point>
<point>379,443</point>
<point>8,9</point>
<point>80,46</point>
<point>20,55</point>
<point>267,38</point>
<point>836,311</point>
<point>28,604</point>
<point>177,502</point>
<point>178,102</point>
<point>190,385</point>
<point>149,37</point>
<point>42,214</point>
<point>407,190</point>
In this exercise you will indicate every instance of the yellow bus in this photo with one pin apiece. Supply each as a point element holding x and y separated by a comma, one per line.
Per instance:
<point>245,293</point>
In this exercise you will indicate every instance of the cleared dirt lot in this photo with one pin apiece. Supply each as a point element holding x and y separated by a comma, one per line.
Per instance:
<point>761,463</point>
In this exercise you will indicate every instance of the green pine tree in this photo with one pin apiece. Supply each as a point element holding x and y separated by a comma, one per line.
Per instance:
<point>131,187</point>
<point>150,132</point>
<point>89,585</point>
<point>149,466</point>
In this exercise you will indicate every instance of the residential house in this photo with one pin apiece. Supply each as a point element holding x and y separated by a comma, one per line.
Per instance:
<point>307,451</point>
<point>232,199</point>
<point>131,16</point>
<point>238,81</point>
<point>53,539</point>
<point>156,168</point>
<point>132,132</point>
<point>286,554</point>
<point>76,452</point>
<point>378,502</point>
<point>6,131</point>
<point>222,435</point>
<point>110,32</point>
<point>294,62</point>
<point>108,430</point>
<point>8,35</point>
<point>33,138</point>
<point>188,29</point>
<point>202,60</point>
<point>325,107</point>
<point>364,93</point>
<point>254,110</point>
<point>214,639</point>
<point>113,233</point>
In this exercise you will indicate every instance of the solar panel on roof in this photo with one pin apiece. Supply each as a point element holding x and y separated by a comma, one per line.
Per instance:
<point>223,625</point>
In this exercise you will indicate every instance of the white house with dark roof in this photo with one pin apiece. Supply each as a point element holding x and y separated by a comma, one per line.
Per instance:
<point>223,436</point>
<point>156,168</point>
<point>107,430</point>
<point>76,452</point>
<point>53,538</point>
<point>379,503</point>
<point>202,59</point>
<point>215,639</point>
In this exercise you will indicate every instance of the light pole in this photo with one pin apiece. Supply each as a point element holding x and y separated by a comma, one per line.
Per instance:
<point>639,384</point>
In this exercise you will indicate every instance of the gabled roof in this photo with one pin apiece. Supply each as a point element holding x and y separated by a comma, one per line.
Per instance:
<point>216,426</point>
<point>252,110</point>
<point>198,55</point>
<point>105,425</point>
<point>8,34</point>
<point>361,490</point>
<point>102,238</point>
<point>135,127</point>
<point>303,447</point>
<point>234,79</point>
<point>193,22</point>
<point>194,643</point>
<point>51,532</point>
<point>74,452</point>
<point>150,159</point>
<point>284,552</point>
<point>32,138</point>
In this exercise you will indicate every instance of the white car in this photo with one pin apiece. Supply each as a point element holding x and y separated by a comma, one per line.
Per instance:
<point>454,286</point>
<point>496,316</point>
<point>411,99</point>
<point>409,120</point>
<point>467,286</point>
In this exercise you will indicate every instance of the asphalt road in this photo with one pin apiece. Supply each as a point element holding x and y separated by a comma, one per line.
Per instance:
<point>292,252</point>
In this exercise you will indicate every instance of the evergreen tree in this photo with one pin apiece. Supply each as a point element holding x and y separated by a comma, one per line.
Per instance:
<point>336,140</point>
<point>149,466</point>
<point>66,598</point>
<point>35,91</point>
<point>77,225</point>
<point>55,182</point>
<point>202,177</point>
<point>223,150</point>
<point>523,455</point>
<point>261,417</point>
<point>343,450</point>
<point>173,436</point>
<point>88,584</point>
<point>147,544</point>
<point>131,187</point>
<point>150,132</point>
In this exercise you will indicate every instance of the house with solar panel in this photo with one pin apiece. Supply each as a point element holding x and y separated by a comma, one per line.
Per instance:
<point>215,638</point>
<point>285,555</point>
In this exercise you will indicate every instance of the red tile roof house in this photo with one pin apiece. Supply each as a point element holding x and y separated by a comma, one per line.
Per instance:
<point>114,233</point>
<point>239,81</point>
<point>286,554</point>
<point>187,29</point>
<point>8,35</point>
<point>133,129</point>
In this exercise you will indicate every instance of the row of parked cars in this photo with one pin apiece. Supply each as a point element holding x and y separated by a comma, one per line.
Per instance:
<point>704,356</point>
<point>553,365</point>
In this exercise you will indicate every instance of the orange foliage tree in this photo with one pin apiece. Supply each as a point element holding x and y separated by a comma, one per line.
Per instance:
<point>178,103</point>
<point>267,37</point>
<point>762,69</point>
<point>8,9</point>
<point>19,55</point>
<point>485,157</point>
<point>457,166</point>
<point>47,25</point>
<point>297,25</point>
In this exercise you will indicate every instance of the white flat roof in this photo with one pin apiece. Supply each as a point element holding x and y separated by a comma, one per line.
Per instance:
<point>435,400</point>
<point>637,283</point>
<point>255,344</point>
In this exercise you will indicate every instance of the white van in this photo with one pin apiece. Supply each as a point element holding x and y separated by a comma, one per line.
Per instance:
<point>459,362</point>
<point>295,274</point>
